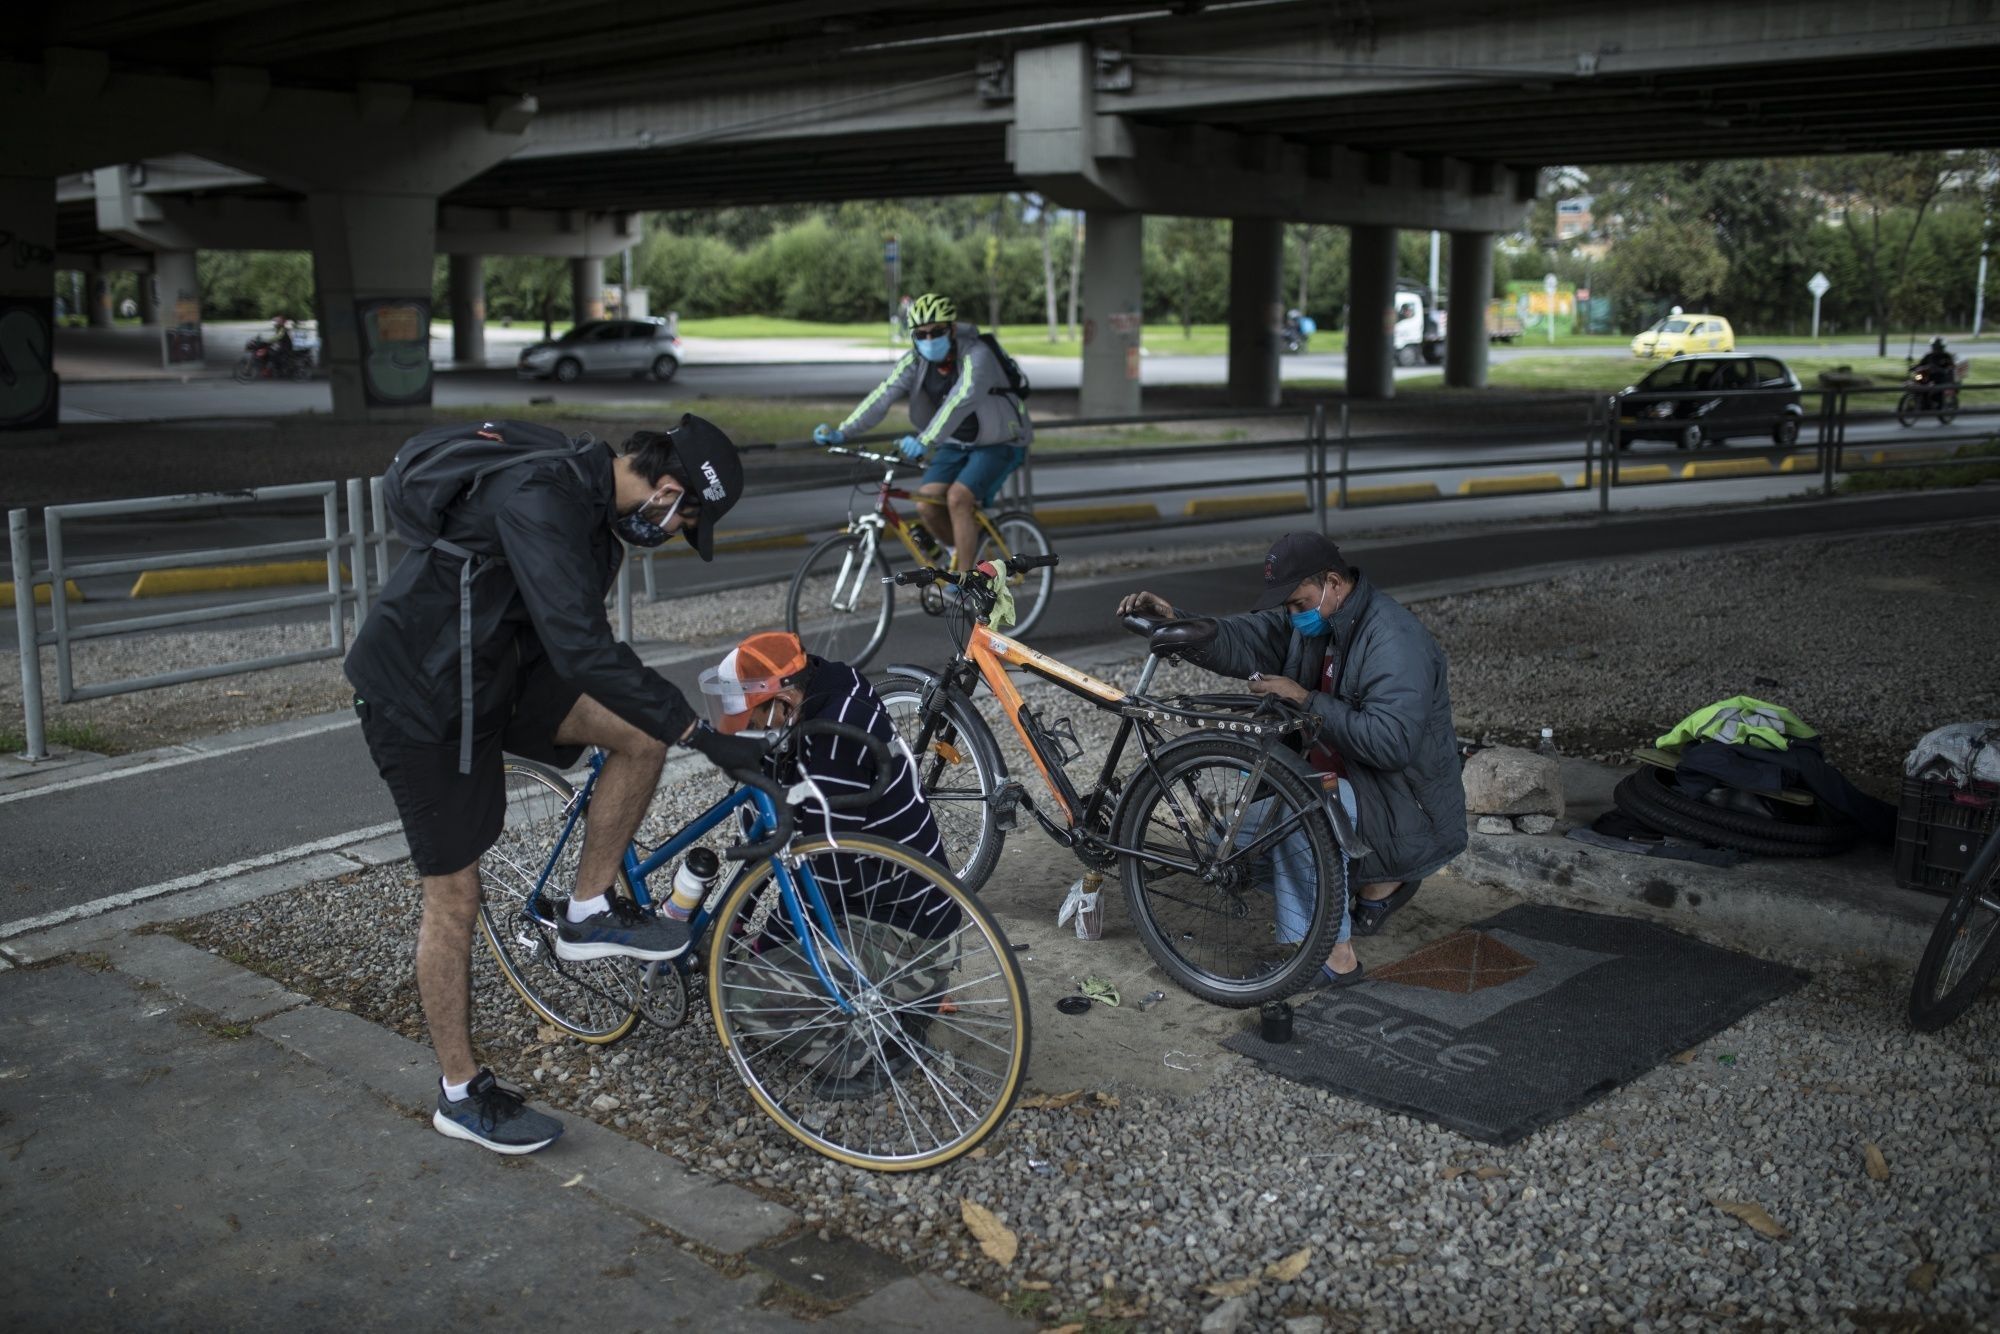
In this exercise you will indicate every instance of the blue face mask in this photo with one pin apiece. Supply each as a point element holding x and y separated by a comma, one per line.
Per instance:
<point>934,349</point>
<point>635,529</point>
<point>1311,622</point>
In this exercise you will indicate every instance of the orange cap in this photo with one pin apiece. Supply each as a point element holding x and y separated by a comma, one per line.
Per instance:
<point>752,672</point>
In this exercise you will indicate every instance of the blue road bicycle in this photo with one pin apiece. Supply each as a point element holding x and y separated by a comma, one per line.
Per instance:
<point>872,1007</point>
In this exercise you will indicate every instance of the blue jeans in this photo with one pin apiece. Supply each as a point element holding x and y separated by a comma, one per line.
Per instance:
<point>1287,873</point>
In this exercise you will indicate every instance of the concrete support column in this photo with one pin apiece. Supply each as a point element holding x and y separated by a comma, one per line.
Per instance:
<point>1256,272</point>
<point>372,257</point>
<point>1465,330</point>
<point>1371,314</point>
<point>97,300</point>
<point>175,292</point>
<point>149,300</point>
<point>28,392</point>
<point>586,289</point>
<point>1113,250</point>
<point>468,310</point>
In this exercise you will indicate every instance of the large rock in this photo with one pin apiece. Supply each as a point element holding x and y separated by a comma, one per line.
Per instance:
<point>1508,781</point>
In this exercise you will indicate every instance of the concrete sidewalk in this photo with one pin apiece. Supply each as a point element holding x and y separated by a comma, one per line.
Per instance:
<point>188,1146</point>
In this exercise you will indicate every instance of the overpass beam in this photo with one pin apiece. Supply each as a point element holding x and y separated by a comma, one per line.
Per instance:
<point>1465,330</point>
<point>372,255</point>
<point>176,295</point>
<point>1371,299</point>
<point>1256,272</point>
<point>468,309</point>
<point>586,288</point>
<point>27,311</point>
<point>1113,251</point>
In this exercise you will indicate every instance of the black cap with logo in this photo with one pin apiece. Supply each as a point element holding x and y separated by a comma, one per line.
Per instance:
<point>1293,558</point>
<point>715,476</point>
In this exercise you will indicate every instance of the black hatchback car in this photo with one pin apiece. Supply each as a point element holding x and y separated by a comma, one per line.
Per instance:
<point>1705,398</point>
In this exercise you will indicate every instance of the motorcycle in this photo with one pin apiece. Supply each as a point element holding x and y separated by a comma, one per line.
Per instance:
<point>1296,333</point>
<point>264,361</point>
<point>1929,391</point>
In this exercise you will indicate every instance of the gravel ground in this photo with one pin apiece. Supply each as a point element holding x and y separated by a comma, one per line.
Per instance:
<point>1129,1214</point>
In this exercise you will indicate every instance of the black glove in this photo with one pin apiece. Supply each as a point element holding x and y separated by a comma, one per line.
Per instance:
<point>735,755</point>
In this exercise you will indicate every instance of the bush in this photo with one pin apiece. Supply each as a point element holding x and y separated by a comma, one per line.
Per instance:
<point>1955,473</point>
<point>694,275</point>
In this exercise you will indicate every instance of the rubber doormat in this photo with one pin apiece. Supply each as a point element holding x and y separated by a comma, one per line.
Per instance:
<point>1517,1021</point>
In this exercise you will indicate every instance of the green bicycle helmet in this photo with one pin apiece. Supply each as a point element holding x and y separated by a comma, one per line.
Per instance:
<point>932,308</point>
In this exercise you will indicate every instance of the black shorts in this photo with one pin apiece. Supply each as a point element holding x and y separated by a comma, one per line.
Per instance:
<point>450,818</point>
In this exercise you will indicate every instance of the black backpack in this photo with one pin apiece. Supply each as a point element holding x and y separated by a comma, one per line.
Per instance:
<point>1017,379</point>
<point>434,471</point>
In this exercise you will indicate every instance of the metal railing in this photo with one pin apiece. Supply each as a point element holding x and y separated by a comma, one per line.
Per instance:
<point>57,573</point>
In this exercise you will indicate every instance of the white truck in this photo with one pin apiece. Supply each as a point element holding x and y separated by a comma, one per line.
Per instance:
<point>1419,337</point>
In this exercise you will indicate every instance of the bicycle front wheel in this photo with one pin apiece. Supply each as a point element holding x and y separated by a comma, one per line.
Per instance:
<point>1964,948</point>
<point>911,1048</point>
<point>959,770</point>
<point>525,879</point>
<point>838,605</point>
<point>1234,879</point>
<point>1016,533</point>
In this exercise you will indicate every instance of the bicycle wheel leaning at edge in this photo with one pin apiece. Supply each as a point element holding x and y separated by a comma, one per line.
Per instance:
<point>960,771</point>
<point>1964,949</point>
<point>523,874</point>
<point>905,1051</point>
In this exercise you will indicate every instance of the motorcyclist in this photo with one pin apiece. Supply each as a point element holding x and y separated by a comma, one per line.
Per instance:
<point>1938,370</point>
<point>281,345</point>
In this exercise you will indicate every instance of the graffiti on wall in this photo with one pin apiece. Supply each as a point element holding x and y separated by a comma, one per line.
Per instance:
<point>395,350</point>
<point>27,368</point>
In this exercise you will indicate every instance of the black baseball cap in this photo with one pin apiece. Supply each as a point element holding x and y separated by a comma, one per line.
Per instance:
<point>715,476</point>
<point>1293,558</point>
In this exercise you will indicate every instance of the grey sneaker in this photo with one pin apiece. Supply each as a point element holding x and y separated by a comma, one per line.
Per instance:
<point>495,1118</point>
<point>622,930</point>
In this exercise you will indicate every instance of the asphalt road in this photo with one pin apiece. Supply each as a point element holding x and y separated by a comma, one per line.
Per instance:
<point>65,845</point>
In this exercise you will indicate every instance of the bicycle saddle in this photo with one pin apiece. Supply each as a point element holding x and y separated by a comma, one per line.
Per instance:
<point>1181,636</point>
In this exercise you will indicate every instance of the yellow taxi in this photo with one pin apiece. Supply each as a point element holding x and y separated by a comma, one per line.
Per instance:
<point>1677,335</point>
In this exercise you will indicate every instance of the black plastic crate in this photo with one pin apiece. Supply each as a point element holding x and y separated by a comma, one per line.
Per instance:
<point>1940,829</point>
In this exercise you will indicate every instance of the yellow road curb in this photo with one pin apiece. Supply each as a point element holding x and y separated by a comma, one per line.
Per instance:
<point>1633,474</point>
<point>1385,495</point>
<point>750,543</point>
<point>1500,486</point>
<point>1800,462</point>
<point>1924,453</point>
<point>71,593</point>
<point>1269,502</point>
<point>1726,468</point>
<point>1075,516</point>
<point>218,578</point>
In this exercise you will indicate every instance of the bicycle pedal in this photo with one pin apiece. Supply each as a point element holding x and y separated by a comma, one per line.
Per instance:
<point>1007,806</point>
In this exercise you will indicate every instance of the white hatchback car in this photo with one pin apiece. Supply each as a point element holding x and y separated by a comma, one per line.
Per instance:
<point>605,347</point>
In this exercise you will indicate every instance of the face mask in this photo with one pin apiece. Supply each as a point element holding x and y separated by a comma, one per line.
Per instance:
<point>1311,622</point>
<point>934,349</point>
<point>637,530</point>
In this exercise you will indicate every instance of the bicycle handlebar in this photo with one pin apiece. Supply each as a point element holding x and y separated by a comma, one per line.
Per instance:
<point>780,837</point>
<point>925,575</point>
<point>895,460</point>
<point>877,748</point>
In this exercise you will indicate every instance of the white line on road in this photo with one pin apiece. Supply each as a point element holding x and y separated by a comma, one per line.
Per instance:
<point>173,761</point>
<point>131,896</point>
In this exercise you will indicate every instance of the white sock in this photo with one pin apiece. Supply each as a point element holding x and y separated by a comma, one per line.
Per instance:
<point>582,908</point>
<point>455,1092</point>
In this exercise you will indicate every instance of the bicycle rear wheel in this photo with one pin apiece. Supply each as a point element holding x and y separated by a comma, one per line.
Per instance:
<point>525,877</point>
<point>838,605</point>
<point>1964,948</point>
<point>1020,535</point>
<point>959,770</point>
<point>916,1051</point>
<point>1237,883</point>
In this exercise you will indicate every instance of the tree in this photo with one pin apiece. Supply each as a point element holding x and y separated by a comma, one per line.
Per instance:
<point>1677,262</point>
<point>1880,203</point>
<point>1043,211</point>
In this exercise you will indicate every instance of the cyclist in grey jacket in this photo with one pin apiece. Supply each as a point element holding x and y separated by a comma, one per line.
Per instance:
<point>974,428</point>
<point>1324,637</point>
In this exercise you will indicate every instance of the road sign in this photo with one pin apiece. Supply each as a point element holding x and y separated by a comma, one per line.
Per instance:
<point>1819,286</point>
<point>889,252</point>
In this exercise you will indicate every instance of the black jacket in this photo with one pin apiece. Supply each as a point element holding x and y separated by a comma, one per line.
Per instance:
<point>542,531</point>
<point>1389,717</point>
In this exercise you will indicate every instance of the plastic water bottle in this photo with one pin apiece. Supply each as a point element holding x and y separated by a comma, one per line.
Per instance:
<point>700,872</point>
<point>1548,743</point>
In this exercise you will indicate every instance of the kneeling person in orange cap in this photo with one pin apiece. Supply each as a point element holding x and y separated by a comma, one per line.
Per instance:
<point>901,924</point>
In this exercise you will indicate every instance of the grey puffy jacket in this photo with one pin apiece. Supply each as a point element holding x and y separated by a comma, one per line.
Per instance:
<point>1389,717</point>
<point>941,405</point>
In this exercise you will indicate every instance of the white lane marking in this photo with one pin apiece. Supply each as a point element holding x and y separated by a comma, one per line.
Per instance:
<point>131,896</point>
<point>174,761</point>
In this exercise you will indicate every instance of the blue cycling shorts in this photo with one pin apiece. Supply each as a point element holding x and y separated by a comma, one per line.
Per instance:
<point>981,468</point>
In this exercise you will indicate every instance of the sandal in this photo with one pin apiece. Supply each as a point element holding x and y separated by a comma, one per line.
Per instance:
<point>1328,980</point>
<point>1368,915</point>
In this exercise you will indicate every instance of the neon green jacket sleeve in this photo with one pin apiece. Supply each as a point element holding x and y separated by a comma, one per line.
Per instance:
<point>876,406</point>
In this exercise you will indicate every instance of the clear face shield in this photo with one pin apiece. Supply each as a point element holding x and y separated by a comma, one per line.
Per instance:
<point>736,705</point>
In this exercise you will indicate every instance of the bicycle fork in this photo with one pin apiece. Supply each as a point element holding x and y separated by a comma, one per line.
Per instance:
<point>853,576</point>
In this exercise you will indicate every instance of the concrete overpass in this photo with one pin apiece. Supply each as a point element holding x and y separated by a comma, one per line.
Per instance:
<point>384,130</point>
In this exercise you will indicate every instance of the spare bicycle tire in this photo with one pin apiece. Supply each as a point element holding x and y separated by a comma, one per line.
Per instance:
<point>1669,821</point>
<point>1655,787</point>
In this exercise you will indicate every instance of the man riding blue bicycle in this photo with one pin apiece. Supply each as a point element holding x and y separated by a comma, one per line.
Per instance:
<point>968,414</point>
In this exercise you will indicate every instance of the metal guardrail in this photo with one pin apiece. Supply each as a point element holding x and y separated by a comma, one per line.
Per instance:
<point>1319,454</point>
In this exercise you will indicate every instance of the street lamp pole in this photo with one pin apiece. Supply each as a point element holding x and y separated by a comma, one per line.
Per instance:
<point>1979,287</point>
